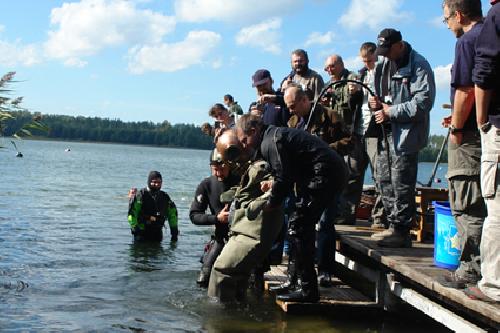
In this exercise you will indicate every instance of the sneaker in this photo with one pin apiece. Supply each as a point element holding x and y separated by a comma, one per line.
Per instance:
<point>395,240</point>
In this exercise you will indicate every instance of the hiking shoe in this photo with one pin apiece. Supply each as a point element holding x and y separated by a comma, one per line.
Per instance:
<point>457,281</point>
<point>395,240</point>
<point>476,294</point>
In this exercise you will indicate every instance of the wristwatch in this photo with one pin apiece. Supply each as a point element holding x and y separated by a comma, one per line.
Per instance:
<point>454,130</point>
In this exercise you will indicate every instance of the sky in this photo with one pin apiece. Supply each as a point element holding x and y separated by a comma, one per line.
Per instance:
<point>157,60</point>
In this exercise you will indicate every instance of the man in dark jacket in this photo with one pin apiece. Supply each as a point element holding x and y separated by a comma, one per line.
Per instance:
<point>208,196</point>
<point>318,173</point>
<point>148,210</point>
<point>269,105</point>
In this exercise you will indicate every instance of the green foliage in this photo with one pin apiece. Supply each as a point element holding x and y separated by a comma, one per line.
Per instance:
<point>114,130</point>
<point>430,153</point>
<point>10,108</point>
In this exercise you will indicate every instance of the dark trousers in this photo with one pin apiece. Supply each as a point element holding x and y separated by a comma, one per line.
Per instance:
<point>325,248</point>
<point>397,177</point>
<point>302,232</point>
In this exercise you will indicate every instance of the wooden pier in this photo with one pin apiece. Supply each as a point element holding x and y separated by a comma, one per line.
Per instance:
<point>379,279</point>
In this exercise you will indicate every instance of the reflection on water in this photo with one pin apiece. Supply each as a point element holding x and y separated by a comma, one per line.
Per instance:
<point>68,262</point>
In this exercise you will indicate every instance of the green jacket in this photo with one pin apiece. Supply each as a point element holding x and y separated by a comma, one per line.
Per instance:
<point>144,205</point>
<point>347,106</point>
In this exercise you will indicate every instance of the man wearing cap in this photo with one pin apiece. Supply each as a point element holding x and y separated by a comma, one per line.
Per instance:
<point>269,102</point>
<point>404,84</point>
<point>148,210</point>
<point>309,80</point>
<point>208,196</point>
<point>464,19</point>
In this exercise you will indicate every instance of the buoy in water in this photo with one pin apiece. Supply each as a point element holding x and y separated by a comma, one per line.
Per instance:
<point>67,150</point>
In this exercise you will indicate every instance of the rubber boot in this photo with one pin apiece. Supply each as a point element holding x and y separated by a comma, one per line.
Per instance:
<point>308,293</point>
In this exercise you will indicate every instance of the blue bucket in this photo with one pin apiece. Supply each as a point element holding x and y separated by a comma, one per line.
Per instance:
<point>446,243</point>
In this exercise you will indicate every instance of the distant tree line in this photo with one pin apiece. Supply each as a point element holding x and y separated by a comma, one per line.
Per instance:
<point>148,133</point>
<point>430,153</point>
<point>114,130</point>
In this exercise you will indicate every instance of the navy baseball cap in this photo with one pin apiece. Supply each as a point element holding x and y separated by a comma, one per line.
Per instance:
<point>261,76</point>
<point>386,38</point>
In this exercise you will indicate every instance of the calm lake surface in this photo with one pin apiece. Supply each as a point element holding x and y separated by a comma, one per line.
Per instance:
<point>67,261</point>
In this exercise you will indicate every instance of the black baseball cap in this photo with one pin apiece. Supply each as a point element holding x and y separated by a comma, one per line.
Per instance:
<point>261,76</point>
<point>386,38</point>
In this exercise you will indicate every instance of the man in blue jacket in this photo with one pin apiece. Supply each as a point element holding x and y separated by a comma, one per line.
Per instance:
<point>405,83</point>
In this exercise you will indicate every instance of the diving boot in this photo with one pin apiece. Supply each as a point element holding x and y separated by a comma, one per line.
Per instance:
<point>305,294</point>
<point>283,288</point>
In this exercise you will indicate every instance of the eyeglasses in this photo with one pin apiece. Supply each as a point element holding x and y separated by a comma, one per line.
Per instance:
<point>447,18</point>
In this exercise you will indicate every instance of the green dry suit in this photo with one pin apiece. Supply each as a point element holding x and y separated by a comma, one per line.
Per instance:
<point>148,203</point>
<point>252,234</point>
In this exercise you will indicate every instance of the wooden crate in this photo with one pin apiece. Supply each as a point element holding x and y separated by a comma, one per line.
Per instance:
<point>424,224</point>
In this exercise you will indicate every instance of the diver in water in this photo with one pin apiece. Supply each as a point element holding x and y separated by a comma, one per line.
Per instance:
<point>148,210</point>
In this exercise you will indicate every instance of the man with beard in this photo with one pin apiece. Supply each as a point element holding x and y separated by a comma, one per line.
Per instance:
<point>318,173</point>
<point>208,196</point>
<point>148,210</point>
<point>308,79</point>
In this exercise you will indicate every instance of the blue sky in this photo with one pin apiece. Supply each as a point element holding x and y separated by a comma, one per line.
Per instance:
<point>156,60</point>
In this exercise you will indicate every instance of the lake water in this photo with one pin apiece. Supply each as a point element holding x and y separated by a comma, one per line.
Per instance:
<point>67,261</point>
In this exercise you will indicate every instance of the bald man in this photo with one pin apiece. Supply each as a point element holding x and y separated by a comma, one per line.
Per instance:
<point>253,229</point>
<point>346,100</point>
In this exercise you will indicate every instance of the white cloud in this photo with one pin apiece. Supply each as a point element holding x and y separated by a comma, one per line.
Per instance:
<point>374,14</point>
<point>437,22</point>
<point>15,54</point>
<point>175,56</point>
<point>231,10</point>
<point>84,28</point>
<point>217,63</point>
<point>442,74</point>
<point>264,35</point>
<point>319,38</point>
<point>353,63</point>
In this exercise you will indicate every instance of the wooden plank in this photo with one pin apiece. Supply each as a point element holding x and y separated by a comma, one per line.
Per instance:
<point>416,266</point>
<point>434,310</point>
